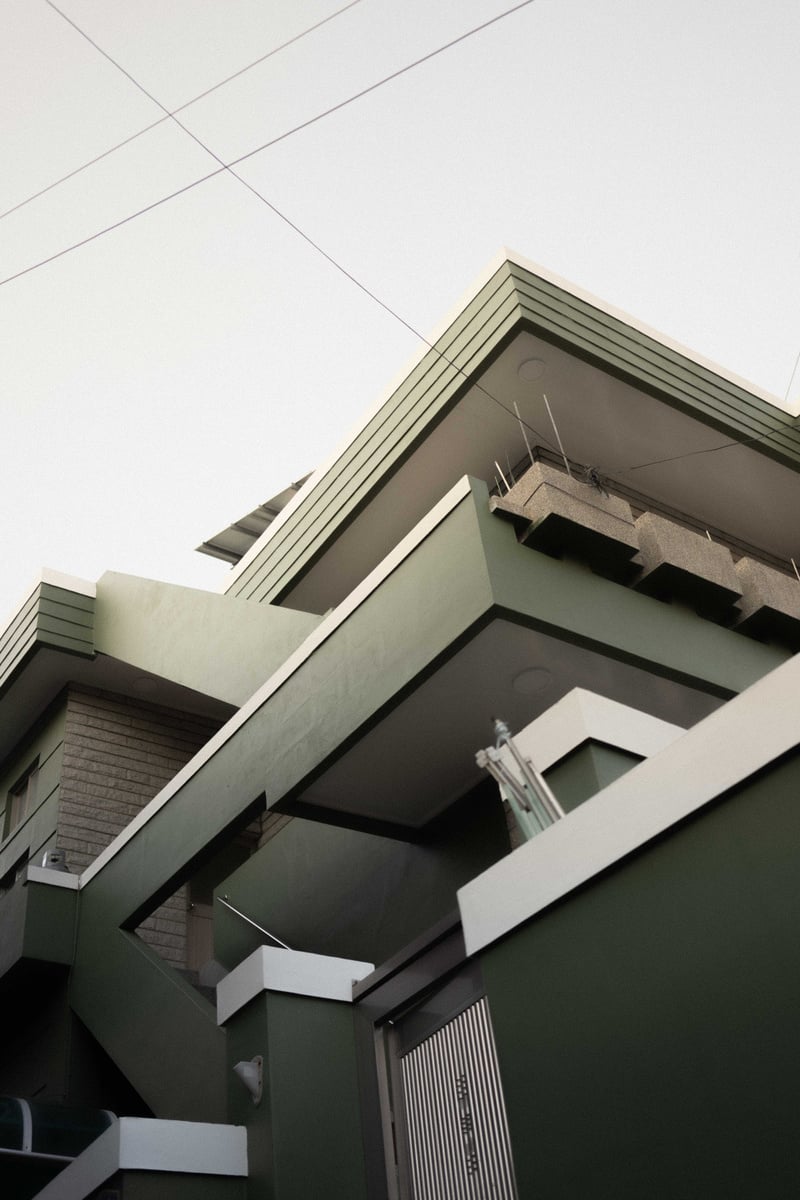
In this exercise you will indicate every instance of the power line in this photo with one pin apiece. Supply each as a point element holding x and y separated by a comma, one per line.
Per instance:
<point>656,462</point>
<point>265,146</point>
<point>200,96</point>
<point>386,79</point>
<point>227,167</point>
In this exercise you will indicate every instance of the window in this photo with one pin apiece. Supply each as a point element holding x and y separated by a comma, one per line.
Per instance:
<point>21,799</point>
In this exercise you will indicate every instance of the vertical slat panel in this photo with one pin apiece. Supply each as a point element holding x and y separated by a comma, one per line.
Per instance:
<point>457,1129</point>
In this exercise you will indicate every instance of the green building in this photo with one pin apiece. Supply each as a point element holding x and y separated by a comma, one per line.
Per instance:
<point>268,929</point>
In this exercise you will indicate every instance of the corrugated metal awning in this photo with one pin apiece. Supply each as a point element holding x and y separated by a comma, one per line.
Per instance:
<point>232,543</point>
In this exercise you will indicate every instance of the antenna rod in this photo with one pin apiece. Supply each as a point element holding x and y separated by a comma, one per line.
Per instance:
<point>524,434</point>
<point>502,476</point>
<point>558,435</point>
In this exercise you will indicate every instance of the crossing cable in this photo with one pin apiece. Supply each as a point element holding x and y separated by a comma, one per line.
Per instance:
<point>187,104</point>
<point>235,162</point>
<point>250,154</point>
<point>258,149</point>
<point>761,437</point>
<point>227,167</point>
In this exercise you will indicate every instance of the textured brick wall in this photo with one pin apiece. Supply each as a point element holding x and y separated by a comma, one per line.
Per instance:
<point>118,753</point>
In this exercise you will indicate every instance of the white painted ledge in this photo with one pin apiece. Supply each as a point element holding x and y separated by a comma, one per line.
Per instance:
<point>718,753</point>
<point>52,878</point>
<point>583,716</point>
<point>270,969</point>
<point>326,628</point>
<point>141,1144</point>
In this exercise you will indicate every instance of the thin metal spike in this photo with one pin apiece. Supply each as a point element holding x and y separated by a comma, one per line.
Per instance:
<point>558,435</point>
<point>510,472</point>
<point>502,476</point>
<point>524,434</point>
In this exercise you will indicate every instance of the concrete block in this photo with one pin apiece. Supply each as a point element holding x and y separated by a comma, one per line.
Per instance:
<point>562,515</point>
<point>770,603</point>
<point>679,564</point>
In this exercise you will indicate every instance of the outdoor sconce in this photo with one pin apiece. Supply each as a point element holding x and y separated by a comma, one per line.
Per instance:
<point>252,1076</point>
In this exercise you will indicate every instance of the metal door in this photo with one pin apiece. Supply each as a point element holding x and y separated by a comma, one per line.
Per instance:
<point>457,1139</point>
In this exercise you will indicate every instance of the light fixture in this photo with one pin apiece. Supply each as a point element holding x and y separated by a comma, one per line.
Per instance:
<point>532,680</point>
<point>251,1074</point>
<point>531,369</point>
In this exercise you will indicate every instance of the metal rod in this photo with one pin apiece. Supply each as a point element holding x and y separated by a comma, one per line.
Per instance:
<point>530,775</point>
<point>524,434</point>
<point>558,435</point>
<point>502,476</point>
<point>797,573</point>
<point>255,924</point>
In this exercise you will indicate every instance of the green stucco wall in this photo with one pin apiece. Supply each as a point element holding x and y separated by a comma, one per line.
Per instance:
<point>355,895</point>
<point>647,1025</point>
<point>587,770</point>
<point>304,1138</point>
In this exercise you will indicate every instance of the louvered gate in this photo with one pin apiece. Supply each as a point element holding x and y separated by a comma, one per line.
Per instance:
<point>457,1133</point>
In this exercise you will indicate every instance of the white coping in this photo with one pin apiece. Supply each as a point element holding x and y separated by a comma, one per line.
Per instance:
<point>143,1144</point>
<point>503,256</point>
<point>728,746</point>
<point>70,583</point>
<point>581,716</point>
<point>61,879</point>
<point>270,969</point>
<point>315,639</point>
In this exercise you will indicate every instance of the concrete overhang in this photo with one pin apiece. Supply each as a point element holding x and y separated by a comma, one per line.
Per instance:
<point>648,415</point>
<point>375,719</point>
<point>178,647</point>
<point>482,627</point>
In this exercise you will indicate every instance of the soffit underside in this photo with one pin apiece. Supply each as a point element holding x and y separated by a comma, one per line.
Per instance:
<point>482,341</point>
<point>49,671</point>
<point>602,422</point>
<point>420,757</point>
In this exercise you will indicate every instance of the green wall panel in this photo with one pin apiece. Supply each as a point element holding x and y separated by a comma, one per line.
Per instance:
<point>647,1025</point>
<point>586,771</point>
<point>304,1138</point>
<point>355,895</point>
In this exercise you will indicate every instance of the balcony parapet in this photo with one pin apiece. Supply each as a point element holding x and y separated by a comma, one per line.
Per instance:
<point>770,603</point>
<point>37,918</point>
<point>680,564</point>
<point>559,514</point>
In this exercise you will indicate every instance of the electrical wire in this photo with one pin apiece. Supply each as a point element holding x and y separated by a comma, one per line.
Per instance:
<point>656,462</point>
<point>266,145</point>
<point>236,161</point>
<point>227,167</point>
<point>187,104</point>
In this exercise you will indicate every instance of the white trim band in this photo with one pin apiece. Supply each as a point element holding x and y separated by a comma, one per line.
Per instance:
<point>142,1144</point>
<point>583,716</point>
<point>731,744</point>
<point>315,639</point>
<point>47,875</point>
<point>269,969</point>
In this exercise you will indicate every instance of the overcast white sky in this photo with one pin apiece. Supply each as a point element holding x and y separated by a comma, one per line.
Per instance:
<point>166,378</point>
